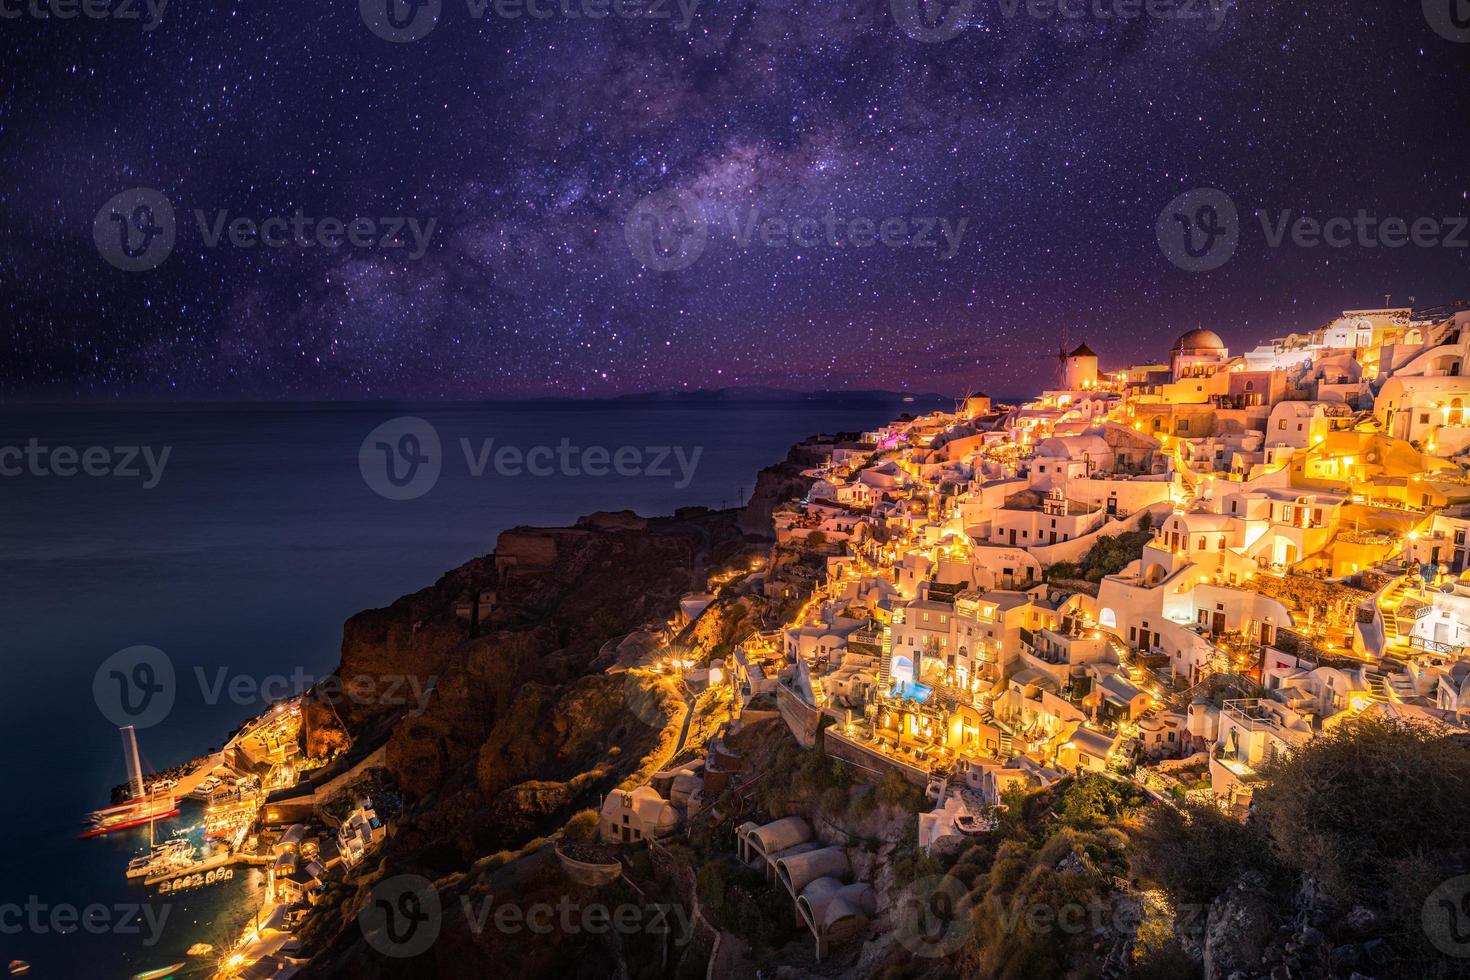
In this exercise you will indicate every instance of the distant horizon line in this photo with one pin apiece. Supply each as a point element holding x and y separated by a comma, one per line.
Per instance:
<point>731,394</point>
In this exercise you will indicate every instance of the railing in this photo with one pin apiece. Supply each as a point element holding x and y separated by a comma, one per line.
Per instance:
<point>1249,714</point>
<point>1434,646</point>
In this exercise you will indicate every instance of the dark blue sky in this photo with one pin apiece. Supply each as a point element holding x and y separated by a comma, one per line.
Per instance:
<point>1047,146</point>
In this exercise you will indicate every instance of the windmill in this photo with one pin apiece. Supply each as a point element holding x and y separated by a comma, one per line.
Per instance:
<point>1062,353</point>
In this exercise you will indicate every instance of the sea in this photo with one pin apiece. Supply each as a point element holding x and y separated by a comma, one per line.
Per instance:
<point>236,540</point>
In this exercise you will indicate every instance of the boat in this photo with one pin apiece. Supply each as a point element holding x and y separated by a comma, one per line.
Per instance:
<point>144,807</point>
<point>134,813</point>
<point>160,973</point>
<point>162,858</point>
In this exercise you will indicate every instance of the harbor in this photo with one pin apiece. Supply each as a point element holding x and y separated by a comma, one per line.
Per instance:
<point>251,806</point>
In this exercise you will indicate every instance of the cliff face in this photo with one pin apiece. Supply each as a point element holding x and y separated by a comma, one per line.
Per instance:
<point>518,731</point>
<point>775,485</point>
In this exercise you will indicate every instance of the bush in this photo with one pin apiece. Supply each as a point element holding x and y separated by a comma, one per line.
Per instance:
<point>1193,852</point>
<point>1360,808</point>
<point>1064,571</point>
<point>582,827</point>
<point>894,790</point>
<point>1096,801</point>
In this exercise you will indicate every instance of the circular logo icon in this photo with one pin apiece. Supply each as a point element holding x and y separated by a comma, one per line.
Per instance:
<point>1199,231</point>
<point>401,21</point>
<point>666,231</point>
<point>402,916</point>
<point>933,21</point>
<point>135,230</point>
<point>1447,917</point>
<point>401,458</point>
<point>135,687</point>
<point>933,916</point>
<point>1449,18</point>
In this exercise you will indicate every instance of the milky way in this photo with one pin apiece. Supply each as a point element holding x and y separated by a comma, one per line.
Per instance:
<point>530,142</point>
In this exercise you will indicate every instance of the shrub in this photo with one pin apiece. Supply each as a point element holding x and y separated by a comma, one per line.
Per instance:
<point>894,790</point>
<point>582,827</point>
<point>1193,852</point>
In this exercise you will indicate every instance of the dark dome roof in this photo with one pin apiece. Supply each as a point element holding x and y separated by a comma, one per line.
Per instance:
<point>1200,340</point>
<point>1083,351</point>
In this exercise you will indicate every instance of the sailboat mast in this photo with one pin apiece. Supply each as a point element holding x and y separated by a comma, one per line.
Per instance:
<point>130,757</point>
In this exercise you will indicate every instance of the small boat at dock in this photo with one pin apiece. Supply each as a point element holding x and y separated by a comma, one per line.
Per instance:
<point>169,856</point>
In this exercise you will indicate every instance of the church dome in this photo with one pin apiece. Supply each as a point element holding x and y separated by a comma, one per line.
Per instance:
<point>1199,340</point>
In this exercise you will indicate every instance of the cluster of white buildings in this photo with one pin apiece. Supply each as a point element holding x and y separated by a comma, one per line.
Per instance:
<point>1307,510</point>
<point>1169,572</point>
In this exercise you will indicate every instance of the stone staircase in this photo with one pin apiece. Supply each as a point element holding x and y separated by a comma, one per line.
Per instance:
<point>1389,681</point>
<point>1398,607</point>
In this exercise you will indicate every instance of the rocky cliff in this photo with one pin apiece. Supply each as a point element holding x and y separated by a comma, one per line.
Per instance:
<point>519,730</point>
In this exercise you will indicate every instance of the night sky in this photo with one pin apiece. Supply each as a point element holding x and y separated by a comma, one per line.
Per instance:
<point>531,142</point>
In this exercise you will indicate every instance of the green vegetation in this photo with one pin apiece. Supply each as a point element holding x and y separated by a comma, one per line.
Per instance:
<point>1370,814</point>
<point>1109,556</point>
<point>582,827</point>
<point>739,899</point>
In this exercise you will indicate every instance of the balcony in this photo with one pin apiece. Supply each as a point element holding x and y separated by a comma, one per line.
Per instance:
<point>1252,715</point>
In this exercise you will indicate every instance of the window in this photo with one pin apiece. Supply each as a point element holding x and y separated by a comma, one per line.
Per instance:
<point>1281,425</point>
<point>1424,419</point>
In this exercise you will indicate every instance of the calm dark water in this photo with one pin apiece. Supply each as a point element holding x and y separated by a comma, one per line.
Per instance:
<point>260,538</point>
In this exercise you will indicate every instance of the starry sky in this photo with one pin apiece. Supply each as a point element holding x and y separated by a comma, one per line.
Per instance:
<point>532,142</point>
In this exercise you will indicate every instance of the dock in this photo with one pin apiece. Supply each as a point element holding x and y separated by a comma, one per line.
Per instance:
<point>211,864</point>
